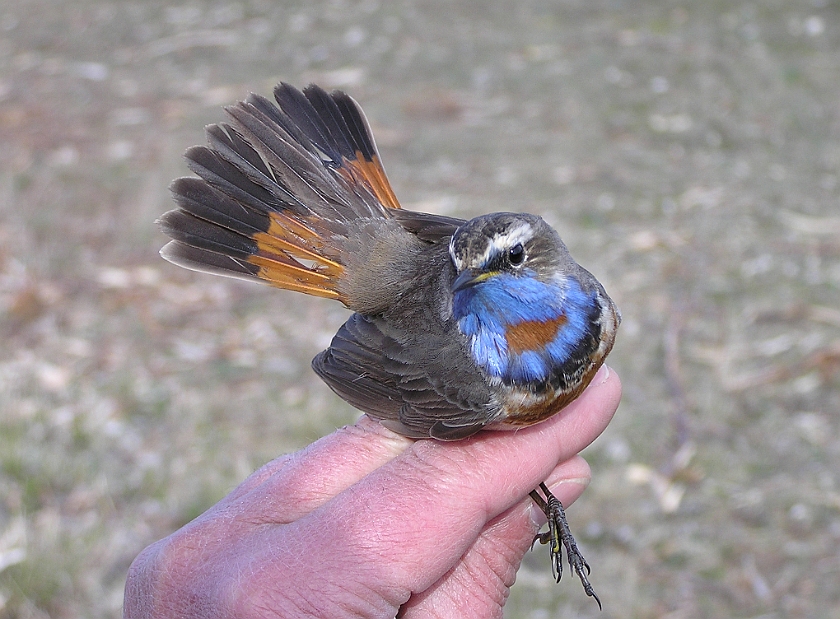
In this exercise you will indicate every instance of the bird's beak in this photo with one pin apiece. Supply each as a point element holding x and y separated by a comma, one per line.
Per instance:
<point>469,278</point>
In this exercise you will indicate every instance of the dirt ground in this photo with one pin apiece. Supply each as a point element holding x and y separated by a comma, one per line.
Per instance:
<point>687,152</point>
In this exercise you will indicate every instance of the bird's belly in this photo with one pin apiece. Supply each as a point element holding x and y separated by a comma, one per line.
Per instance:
<point>521,406</point>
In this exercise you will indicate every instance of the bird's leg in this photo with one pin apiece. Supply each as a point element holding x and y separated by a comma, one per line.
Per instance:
<point>558,531</point>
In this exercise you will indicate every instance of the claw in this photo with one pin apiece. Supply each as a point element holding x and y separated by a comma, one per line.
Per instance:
<point>559,533</point>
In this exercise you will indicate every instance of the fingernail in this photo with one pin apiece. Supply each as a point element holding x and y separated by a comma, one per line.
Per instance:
<point>602,376</point>
<point>537,515</point>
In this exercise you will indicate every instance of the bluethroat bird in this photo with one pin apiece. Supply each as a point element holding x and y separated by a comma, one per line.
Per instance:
<point>458,325</point>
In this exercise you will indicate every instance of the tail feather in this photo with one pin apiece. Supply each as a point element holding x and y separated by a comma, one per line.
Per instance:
<point>308,112</point>
<point>196,259</point>
<point>234,148</point>
<point>366,156</point>
<point>192,194</point>
<point>230,181</point>
<point>280,118</point>
<point>276,187</point>
<point>337,126</point>
<point>362,137</point>
<point>284,163</point>
<point>190,230</point>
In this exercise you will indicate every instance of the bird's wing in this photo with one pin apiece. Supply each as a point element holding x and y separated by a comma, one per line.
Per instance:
<point>388,380</point>
<point>426,226</point>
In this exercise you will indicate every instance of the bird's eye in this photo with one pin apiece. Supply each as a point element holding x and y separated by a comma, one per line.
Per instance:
<point>516,254</point>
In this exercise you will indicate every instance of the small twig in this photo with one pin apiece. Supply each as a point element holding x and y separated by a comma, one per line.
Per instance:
<point>825,359</point>
<point>674,376</point>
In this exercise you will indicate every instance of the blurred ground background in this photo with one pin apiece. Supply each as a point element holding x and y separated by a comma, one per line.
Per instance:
<point>688,153</point>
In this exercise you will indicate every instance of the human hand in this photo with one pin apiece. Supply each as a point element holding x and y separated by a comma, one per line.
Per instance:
<point>367,523</point>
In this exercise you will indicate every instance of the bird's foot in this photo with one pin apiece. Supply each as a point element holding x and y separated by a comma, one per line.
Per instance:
<point>559,532</point>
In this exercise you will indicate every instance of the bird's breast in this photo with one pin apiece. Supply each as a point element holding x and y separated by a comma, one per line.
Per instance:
<point>533,335</point>
<point>526,332</point>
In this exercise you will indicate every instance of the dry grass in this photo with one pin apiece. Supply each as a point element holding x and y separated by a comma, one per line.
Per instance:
<point>687,152</point>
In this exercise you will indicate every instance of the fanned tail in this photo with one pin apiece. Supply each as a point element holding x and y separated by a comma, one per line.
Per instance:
<point>276,187</point>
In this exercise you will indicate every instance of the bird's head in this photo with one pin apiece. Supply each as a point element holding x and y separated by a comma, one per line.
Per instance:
<point>515,244</point>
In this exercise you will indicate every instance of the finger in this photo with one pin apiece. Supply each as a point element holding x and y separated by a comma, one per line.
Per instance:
<point>294,484</point>
<point>404,526</point>
<point>479,584</point>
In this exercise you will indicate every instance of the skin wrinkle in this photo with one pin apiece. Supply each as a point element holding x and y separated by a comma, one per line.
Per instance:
<point>324,469</point>
<point>348,526</point>
<point>338,601</point>
<point>429,453</point>
<point>287,605</point>
<point>486,570</point>
<point>483,582</point>
<point>504,552</point>
<point>366,605</point>
<point>405,518</point>
<point>478,573</point>
<point>258,588</point>
<point>347,597</point>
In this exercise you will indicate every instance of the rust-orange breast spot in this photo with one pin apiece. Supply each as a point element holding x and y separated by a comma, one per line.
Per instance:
<point>533,334</point>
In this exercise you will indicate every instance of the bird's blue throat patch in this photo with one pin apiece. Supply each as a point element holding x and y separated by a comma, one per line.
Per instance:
<point>520,328</point>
